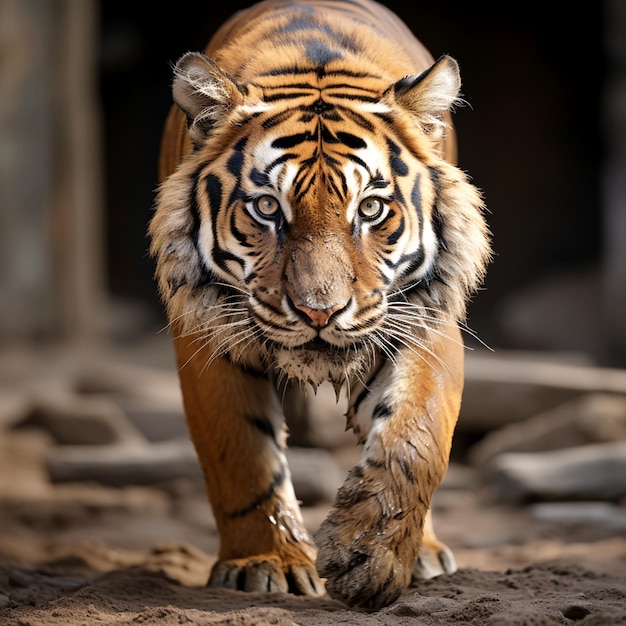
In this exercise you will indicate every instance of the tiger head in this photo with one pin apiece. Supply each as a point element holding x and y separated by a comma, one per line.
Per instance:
<point>315,226</point>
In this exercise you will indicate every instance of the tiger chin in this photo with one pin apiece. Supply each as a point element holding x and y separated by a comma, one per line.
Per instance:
<point>311,225</point>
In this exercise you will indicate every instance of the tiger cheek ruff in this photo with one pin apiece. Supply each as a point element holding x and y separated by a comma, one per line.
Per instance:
<point>311,226</point>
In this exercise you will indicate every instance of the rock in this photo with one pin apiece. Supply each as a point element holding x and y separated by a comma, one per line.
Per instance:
<point>557,311</point>
<point>590,514</point>
<point>155,420</point>
<point>502,389</point>
<point>593,472</point>
<point>315,473</point>
<point>73,419</point>
<point>15,407</point>
<point>593,418</point>
<point>124,464</point>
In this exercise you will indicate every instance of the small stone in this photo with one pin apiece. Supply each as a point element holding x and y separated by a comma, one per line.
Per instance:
<point>577,610</point>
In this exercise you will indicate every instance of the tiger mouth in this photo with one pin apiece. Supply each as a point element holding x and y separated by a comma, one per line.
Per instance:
<point>319,345</point>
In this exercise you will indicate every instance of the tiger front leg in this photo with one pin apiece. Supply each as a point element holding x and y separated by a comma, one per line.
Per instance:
<point>374,534</point>
<point>237,427</point>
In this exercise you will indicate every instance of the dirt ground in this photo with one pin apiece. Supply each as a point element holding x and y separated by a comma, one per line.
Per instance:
<point>83,553</point>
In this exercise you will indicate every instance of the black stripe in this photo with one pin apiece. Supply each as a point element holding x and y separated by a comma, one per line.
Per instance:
<point>251,371</point>
<point>358,161</point>
<point>304,178</point>
<point>206,276</point>
<point>406,468</point>
<point>235,165</point>
<point>398,166</point>
<point>240,236</point>
<point>291,141</point>
<point>264,426</point>
<point>236,160</point>
<point>259,178</point>
<point>367,388</point>
<point>393,238</point>
<point>374,464</point>
<point>435,177</point>
<point>286,96</point>
<point>194,209</point>
<point>352,141</point>
<point>353,96</point>
<point>414,260</point>
<point>277,119</point>
<point>319,52</point>
<point>416,201</point>
<point>357,118</point>
<point>299,71</point>
<point>381,411</point>
<point>277,480</point>
<point>215,193</point>
<point>437,219</point>
<point>350,86</point>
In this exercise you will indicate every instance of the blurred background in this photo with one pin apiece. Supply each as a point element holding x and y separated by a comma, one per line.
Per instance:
<point>85,87</point>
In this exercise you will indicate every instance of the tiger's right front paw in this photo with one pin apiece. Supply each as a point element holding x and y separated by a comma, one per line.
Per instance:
<point>359,572</point>
<point>267,573</point>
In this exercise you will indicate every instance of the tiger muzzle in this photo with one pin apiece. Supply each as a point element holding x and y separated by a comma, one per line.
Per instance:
<point>318,278</point>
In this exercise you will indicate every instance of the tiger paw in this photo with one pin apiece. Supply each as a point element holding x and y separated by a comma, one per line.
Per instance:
<point>370,576</point>
<point>434,561</point>
<point>267,573</point>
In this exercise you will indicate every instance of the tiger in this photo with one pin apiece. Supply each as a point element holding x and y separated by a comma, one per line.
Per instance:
<point>311,225</point>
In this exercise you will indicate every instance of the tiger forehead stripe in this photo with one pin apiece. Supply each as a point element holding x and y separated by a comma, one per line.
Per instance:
<point>351,93</point>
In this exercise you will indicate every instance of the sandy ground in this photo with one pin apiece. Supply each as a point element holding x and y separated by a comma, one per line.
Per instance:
<point>80,553</point>
<point>88,554</point>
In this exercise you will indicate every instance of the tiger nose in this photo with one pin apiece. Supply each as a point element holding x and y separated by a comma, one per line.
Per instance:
<point>318,318</point>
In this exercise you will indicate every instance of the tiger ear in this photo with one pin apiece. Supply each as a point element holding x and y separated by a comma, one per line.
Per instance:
<point>429,95</point>
<point>205,93</point>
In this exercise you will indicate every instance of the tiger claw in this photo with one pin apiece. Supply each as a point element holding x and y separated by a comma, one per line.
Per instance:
<point>266,574</point>
<point>434,562</point>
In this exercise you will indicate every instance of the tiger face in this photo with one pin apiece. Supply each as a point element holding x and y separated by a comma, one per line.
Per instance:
<point>315,226</point>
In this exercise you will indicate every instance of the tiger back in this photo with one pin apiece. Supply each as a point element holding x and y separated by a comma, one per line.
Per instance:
<point>311,226</point>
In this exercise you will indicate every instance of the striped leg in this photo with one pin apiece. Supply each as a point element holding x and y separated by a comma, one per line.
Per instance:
<point>375,531</point>
<point>237,427</point>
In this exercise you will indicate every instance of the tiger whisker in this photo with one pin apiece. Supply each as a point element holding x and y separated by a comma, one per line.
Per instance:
<point>227,344</point>
<point>416,346</point>
<point>207,336</point>
<point>210,328</point>
<point>416,323</point>
<point>440,318</point>
<point>242,327</point>
<point>382,343</point>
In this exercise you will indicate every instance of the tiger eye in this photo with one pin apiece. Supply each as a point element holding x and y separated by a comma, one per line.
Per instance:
<point>371,208</point>
<point>267,206</point>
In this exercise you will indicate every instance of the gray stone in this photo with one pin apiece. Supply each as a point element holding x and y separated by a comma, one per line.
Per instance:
<point>593,418</point>
<point>73,419</point>
<point>128,464</point>
<point>315,473</point>
<point>590,514</point>
<point>505,388</point>
<point>593,472</point>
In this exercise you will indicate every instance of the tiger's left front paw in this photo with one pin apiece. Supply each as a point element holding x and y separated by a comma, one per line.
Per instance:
<point>434,560</point>
<point>362,573</point>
